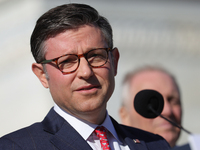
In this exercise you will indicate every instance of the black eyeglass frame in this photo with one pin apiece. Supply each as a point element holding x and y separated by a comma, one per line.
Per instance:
<point>78,56</point>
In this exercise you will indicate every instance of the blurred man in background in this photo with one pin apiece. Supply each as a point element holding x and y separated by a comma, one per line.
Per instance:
<point>155,78</point>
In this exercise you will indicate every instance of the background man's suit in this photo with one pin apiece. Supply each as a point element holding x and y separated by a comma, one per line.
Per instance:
<point>55,133</point>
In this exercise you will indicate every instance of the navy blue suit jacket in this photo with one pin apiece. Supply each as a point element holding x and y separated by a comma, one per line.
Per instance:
<point>54,133</point>
<point>183,147</point>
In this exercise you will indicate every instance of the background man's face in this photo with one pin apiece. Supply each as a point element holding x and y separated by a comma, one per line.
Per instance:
<point>162,83</point>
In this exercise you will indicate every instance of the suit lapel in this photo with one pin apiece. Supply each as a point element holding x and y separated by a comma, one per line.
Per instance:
<point>130,139</point>
<point>68,138</point>
<point>64,136</point>
<point>136,146</point>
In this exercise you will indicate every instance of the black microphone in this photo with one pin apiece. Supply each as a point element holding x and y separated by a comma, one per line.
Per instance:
<point>149,104</point>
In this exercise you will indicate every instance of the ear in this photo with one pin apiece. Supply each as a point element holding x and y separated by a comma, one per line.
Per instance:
<point>115,53</point>
<point>39,72</point>
<point>124,115</point>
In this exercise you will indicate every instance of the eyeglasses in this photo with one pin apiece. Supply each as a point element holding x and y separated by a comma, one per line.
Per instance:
<point>69,63</point>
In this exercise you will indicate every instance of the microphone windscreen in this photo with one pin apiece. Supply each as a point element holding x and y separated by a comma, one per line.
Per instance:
<point>146,98</point>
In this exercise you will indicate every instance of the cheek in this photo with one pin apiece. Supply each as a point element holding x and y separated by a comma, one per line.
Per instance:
<point>105,74</point>
<point>140,121</point>
<point>53,71</point>
<point>57,81</point>
<point>177,112</point>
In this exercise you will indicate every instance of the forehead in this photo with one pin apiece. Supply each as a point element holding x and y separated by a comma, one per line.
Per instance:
<point>156,80</point>
<point>75,41</point>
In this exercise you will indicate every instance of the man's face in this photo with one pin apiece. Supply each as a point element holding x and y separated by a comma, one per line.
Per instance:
<point>86,91</point>
<point>172,108</point>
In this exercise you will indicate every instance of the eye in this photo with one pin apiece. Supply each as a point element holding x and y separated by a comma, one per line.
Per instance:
<point>67,61</point>
<point>94,56</point>
<point>97,54</point>
<point>173,100</point>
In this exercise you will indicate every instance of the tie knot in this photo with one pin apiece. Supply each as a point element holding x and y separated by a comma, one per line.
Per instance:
<point>100,129</point>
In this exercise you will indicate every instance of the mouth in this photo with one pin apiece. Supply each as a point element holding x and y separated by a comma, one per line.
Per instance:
<point>167,126</point>
<point>88,88</point>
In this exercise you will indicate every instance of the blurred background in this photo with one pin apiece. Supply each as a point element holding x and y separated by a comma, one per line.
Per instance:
<point>162,32</point>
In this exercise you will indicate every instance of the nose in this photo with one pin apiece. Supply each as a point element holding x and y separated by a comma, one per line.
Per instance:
<point>84,71</point>
<point>167,110</point>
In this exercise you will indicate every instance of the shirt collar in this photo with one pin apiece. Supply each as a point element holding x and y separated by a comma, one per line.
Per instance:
<point>109,126</point>
<point>84,128</point>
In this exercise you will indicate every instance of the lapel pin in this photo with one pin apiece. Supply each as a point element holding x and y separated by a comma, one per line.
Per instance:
<point>136,141</point>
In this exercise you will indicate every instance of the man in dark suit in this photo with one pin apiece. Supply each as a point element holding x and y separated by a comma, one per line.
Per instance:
<point>73,48</point>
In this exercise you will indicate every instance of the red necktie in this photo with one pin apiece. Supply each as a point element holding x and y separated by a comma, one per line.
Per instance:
<point>101,134</point>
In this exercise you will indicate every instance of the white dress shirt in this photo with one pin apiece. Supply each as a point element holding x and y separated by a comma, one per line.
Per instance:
<point>85,129</point>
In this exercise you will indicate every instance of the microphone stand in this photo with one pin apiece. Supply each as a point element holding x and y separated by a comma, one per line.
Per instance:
<point>173,123</point>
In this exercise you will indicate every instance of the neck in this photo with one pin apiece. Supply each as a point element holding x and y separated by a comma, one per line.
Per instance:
<point>92,117</point>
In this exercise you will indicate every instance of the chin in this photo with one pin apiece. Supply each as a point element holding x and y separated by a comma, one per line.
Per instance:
<point>171,138</point>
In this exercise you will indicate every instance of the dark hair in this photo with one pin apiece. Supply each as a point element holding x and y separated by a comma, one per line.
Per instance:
<point>66,17</point>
